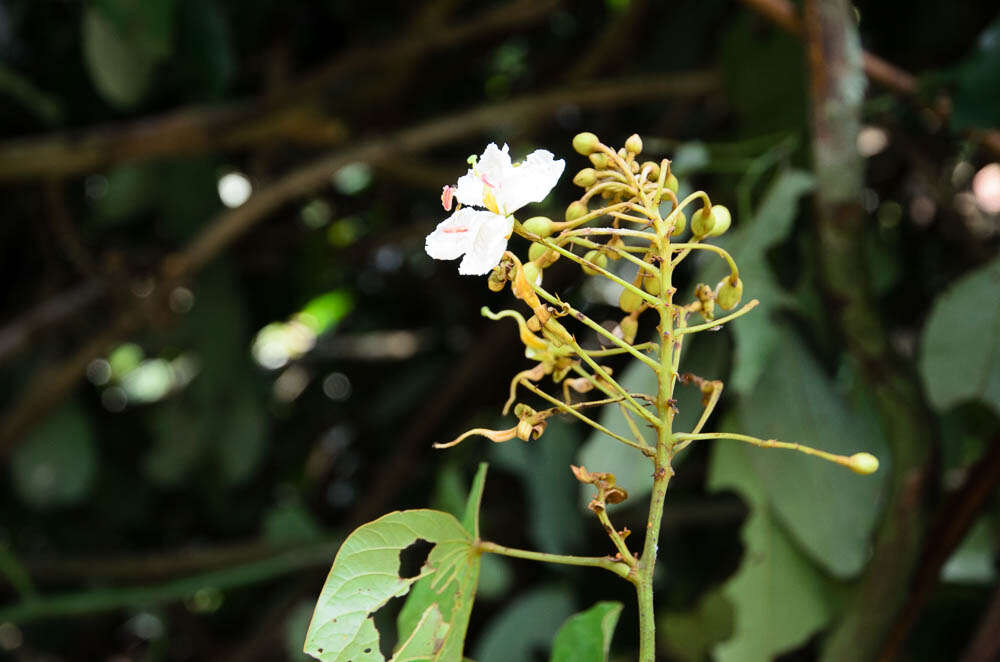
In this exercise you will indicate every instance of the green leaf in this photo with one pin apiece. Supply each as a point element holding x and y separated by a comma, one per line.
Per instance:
<point>365,576</point>
<point>691,636</point>
<point>829,510</point>
<point>525,626</point>
<point>977,94</point>
<point>755,334</point>
<point>778,596</point>
<point>56,463</point>
<point>960,348</point>
<point>707,356</point>
<point>544,470</point>
<point>586,637</point>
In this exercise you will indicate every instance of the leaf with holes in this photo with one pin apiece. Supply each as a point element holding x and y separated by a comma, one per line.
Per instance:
<point>366,575</point>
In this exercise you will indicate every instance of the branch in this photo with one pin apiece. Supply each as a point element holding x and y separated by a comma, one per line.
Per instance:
<point>783,14</point>
<point>836,85</point>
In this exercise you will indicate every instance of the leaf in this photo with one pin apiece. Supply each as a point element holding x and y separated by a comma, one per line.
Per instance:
<point>525,626</point>
<point>586,637</point>
<point>56,463</point>
<point>365,576</point>
<point>425,593</point>
<point>778,596</point>
<point>755,334</point>
<point>960,348</point>
<point>690,636</point>
<point>829,510</point>
<point>706,356</point>
<point>544,470</point>
<point>977,94</point>
<point>205,49</point>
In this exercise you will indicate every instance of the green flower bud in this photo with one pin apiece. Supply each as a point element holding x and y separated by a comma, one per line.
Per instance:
<point>629,326</point>
<point>586,177</point>
<point>722,219</point>
<point>672,183</point>
<point>598,258</point>
<point>629,301</point>
<point>539,225</point>
<point>680,224</point>
<point>576,210</point>
<point>536,250</point>
<point>615,242</point>
<point>599,160</point>
<point>654,170</point>
<point>702,222</point>
<point>863,463</point>
<point>728,295</point>
<point>651,284</point>
<point>634,143</point>
<point>531,272</point>
<point>585,143</point>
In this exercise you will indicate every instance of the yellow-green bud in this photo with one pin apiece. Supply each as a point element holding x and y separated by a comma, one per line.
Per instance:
<point>702,222</point>
<point>532,273</point>
<point>722,219</point>
<point>585,142</point>
<point>497,279</point>
<point>586,177</point>
<point>629,326</point>
<point>672,183</point>
<point>615,242</point>
<point>539,225</point>
<point>634,143</point>
<point>536,250</point>
<point>598,258</point>
<point>863,463</point>
<point>634,167</point>
<point>629,301</point>
<point>651,284</point>
<point>680,224</point>
<point>576,210</point>
<point>599,160</point>
<point>654,170</point>
<point>728,295</point>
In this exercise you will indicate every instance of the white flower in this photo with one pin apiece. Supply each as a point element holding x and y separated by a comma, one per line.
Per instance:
<point>501,187</point>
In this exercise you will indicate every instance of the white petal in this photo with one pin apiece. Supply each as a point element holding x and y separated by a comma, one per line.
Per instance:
<point>488,245</point>
<point>530,181</point>
<point>453,236</point>
<point>493,166</point>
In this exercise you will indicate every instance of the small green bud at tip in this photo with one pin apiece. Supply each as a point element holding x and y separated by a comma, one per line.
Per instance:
<point>585,142</point>
<point>634,143</point>
<point>863,463</point>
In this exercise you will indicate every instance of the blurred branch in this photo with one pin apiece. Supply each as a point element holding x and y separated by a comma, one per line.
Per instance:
<point>784,14</point>
<point>52,385</point>
<point>837,91</point>
<point>950,525</point>
<point>290,116</point>
<point>51,312</point>
<point>985,644</point>
<point>614,44</point>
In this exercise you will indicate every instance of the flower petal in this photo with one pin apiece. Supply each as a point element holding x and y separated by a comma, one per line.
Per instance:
<point>488,245</point>
<point>529,181</point>
<point>453,236</point>
<point>492,166</point>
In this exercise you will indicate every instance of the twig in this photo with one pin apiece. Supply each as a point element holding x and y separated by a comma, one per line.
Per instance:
<point>51,312</point>
<point>784,14</point>
<point>985,644</point>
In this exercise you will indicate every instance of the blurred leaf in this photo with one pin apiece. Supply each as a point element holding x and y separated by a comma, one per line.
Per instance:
<point>707,356</point>
<point>756,335</point>
<point>692,635</point>
<point>205,48</point>
<point>960,348</point>
<point>242,438</point>
<point>290,522</point>
<point>527,625</point>
<point>495,577</point>
<point>974,561</point>
<point>977,93</point>
<point>777,595</point>
<point>554,520</point>
<point>23,91</point>
<point>586,637</point>
<point>829,510</point>
<point>56,463</point>
<point>296,626</point>
<point>322,312</point>
<point>131,189</point>
<point>365,576</point>
<point>690,157</point>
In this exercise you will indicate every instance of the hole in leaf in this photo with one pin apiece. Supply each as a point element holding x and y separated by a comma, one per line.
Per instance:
<point>413,557</point>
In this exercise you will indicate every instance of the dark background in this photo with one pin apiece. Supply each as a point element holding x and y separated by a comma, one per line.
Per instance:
<point>199,403</point>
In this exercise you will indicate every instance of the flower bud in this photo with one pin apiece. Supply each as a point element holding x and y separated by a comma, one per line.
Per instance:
<point>863,463</point>
<point>629,326</point>
<point>634,143</point>
<point>651,283</point>
<point>728,295</point>
<point>586,177</point>
<point>615,242</point>
<point>576,210</point>
<point>680,224</point>
<point>634,167</point>
<point>702,222</point>
<point>672,183</point>
<point>629,301</point>
<point>532,273</point>
<point>536,250</point>
<point>654,170</point>
<point>585,142</point>
<point>498,278</point>
<point>599,160</point>
<point>722,220</point>
<point>598,258</point>
<point>539,225</point>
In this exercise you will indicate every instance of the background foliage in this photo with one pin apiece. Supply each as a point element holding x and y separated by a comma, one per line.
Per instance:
<point>201,401</point>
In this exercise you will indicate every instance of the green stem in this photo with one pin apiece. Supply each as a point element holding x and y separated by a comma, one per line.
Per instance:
<point>720,321</point>
<point>686,438</point>
<point>619,568</point>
